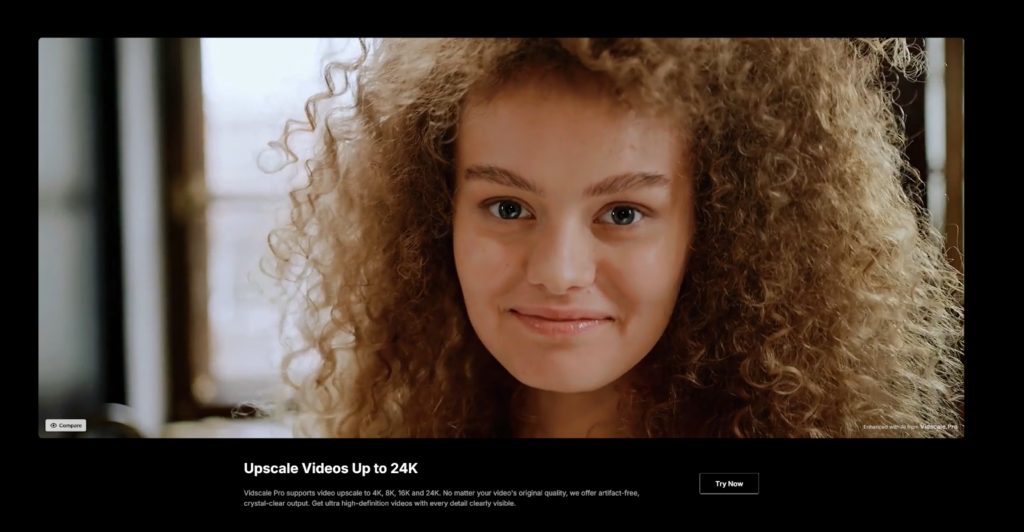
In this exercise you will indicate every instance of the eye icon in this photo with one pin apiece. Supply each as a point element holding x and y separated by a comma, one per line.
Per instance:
<point>53,425</point>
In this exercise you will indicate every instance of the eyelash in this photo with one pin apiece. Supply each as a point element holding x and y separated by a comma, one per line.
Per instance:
<point>489,205</point>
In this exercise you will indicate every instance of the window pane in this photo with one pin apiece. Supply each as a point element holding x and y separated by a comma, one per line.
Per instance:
<point>244,321</point>
<point>70,359</point>
<point>251,87</point>
<point>68,325</point>
<point>935,132</point>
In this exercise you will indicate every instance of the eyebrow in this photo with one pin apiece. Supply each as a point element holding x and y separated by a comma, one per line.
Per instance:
<point>501,176</point>
<point>611,185</point>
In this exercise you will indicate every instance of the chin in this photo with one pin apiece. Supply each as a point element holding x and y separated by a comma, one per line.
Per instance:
<point>561,383</point>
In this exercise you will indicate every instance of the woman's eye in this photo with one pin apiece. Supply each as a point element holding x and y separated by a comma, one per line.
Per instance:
<point>509,210</point>
<point>621,216</point>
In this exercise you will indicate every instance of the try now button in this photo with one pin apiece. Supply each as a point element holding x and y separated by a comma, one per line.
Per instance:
<point>729,483</point>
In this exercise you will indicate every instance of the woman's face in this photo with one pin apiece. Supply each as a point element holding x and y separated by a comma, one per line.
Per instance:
<point>573,220</point>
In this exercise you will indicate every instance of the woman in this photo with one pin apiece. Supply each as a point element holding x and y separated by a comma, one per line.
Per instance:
<point>618,238</point>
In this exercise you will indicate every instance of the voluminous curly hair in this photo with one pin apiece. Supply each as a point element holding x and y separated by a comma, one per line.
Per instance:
<point>815,303</point>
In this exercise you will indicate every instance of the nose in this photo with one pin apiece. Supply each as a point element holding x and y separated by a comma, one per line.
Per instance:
<point>562,258</point>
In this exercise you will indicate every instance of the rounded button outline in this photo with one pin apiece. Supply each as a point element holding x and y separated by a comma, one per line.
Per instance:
<point>66,425</point>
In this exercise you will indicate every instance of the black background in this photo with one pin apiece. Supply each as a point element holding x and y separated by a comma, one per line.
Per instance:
<point>210,474</point>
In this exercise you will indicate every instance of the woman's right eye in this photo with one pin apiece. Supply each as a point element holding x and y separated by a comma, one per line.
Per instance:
<point>509,210</point>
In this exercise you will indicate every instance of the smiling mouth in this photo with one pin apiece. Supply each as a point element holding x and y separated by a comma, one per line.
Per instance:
<point>564,325</point>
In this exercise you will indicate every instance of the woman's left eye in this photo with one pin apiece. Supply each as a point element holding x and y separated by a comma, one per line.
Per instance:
<point>621,215</point>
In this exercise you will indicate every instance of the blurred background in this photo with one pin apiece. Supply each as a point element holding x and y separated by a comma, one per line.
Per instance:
<point>155,318</point>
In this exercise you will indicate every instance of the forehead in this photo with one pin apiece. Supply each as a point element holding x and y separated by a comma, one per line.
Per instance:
<point>545,125</point>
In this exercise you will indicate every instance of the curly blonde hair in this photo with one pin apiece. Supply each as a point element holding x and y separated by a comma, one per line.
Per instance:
<point>815,304</point>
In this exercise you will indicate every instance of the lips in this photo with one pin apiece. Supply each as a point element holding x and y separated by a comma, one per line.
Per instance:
<point>560,322</point>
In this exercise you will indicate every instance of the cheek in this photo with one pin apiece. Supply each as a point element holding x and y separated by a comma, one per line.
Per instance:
<point>647,276</point>
<point>484,264</point>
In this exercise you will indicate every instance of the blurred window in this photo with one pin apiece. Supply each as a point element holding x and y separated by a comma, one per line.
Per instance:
<point>250,88</point>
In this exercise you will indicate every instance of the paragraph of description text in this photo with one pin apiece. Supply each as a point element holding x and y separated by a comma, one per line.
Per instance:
<point>414,498</point>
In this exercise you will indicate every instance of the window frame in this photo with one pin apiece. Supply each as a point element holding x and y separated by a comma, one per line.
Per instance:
<point>194,391</point>
<point>954,168</point>
<point>186,225</point>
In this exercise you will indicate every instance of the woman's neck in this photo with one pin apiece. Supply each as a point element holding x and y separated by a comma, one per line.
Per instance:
<point>573,415</point>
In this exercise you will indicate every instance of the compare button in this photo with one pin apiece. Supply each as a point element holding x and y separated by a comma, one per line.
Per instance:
<point>65,425</point>
<point>730,483</point>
